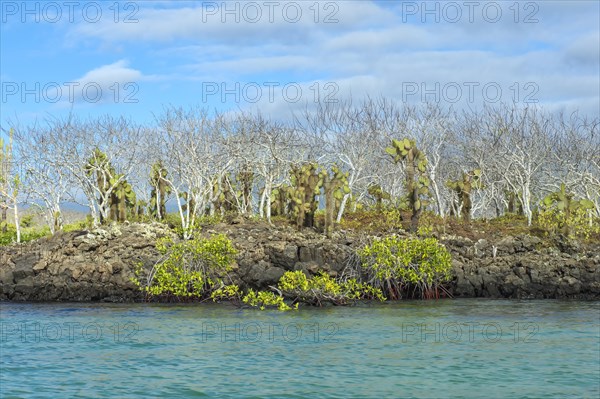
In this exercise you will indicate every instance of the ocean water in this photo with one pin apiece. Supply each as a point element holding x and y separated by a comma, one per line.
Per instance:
<point>413,349</point>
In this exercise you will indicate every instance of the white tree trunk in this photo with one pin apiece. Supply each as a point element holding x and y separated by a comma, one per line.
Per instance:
<point>17,224</point>
<point>338,219</point>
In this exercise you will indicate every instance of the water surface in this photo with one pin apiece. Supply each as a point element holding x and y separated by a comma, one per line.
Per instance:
<point>421,349</point>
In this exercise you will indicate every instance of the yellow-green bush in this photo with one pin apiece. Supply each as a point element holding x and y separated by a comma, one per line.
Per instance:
<point>194,269</point>
<point>264,299</point>
<point>316,290</point>
<point>580,223</point>
<point>27,234</point>
<point>406,267</point>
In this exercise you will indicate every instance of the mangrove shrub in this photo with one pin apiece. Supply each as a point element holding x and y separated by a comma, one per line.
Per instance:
<point>193,269</point>
<point>406,267</point>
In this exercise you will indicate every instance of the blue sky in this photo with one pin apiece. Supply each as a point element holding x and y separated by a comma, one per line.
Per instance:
<point>133,58</point>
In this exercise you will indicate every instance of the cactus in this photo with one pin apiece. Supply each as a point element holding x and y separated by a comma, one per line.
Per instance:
<point>335,186</point>
<point>140,208</point>
<point>189,202</point>
<point>160,190</point>
<point>99,165</point>
<point>280,200</point>
<point>306,184</point>
<point>123,198</point>
<point>379,194</point>
<point>463,188</point>
<point>514,205</point>
<point>245,180</point>
<point>225,197</point>
<point>563,201</point>
<point>417,183</point>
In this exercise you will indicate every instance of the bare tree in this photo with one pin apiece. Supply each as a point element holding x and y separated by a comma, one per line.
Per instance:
<point>46,181</point>
<point>524,143</point>
<point>197,158</point>
<point>99,155</point>
<point>10,183</point>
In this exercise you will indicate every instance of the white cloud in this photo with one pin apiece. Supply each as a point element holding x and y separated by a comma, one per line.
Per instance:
<point>369,50</point>
<point>109,74</point>
<point>105,84</point>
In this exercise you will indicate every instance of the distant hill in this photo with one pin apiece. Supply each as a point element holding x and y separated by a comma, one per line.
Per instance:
<point>71,213</point>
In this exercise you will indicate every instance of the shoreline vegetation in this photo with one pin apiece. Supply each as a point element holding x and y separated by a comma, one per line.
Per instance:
<point>251,263</point>
<point>387,203</point>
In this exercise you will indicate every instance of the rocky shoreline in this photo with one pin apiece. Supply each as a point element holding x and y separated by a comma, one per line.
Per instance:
<point>97,265</point>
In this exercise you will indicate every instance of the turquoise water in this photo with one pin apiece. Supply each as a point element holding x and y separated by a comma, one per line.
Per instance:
<point>422,349</point>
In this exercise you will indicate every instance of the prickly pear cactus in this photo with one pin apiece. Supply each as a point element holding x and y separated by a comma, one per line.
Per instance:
<point>464,187</point>
<point>417,183</point>
<point>306,184</point>
<point>335,185</point>
<point>160,190</point>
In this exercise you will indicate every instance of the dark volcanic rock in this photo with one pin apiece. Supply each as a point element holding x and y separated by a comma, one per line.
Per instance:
<point>98,265</point>
<point>522,268</point>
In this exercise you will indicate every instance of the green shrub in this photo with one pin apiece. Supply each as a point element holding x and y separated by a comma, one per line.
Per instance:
<point>374,220</point>
<point>27,234</point>
<point>323,288</point>
<point>208,220</point>
<point>191,270</point>
<point>30,234</point>
<point>26,221</point>
<point>83,224</point>
<point>317,290</point>
<point>264,299</point>
<point>406,267</point>
<point>579,223</point>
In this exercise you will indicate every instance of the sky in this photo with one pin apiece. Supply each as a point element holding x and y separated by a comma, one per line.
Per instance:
<point>134,58</point>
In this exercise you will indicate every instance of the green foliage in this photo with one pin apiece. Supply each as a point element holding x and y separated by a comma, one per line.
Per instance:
<point>429,224</point>
<point>173,220</point>
<point>122,197</point>
<point>379,194</point>
<point>226,198</point>
<point>83,224</point>
<point>577,223</point>
<point>323,288</point>
<point>208,220</point>
<point>388,219</point>
<point>316,290</point>
<point>560,212</point>
<point>160,190</point>
<point>335,187</point>
<point>27,234</point>
<point>245,180</point>
<point>306,184</point>
<point>406,267</point>
<point>26,221</point>
<point>194,269</point>
<point>265,299</point>
<point>226,292</point>
<point>280,198</point>
<point>470,181</point>
<point>417,182</point>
